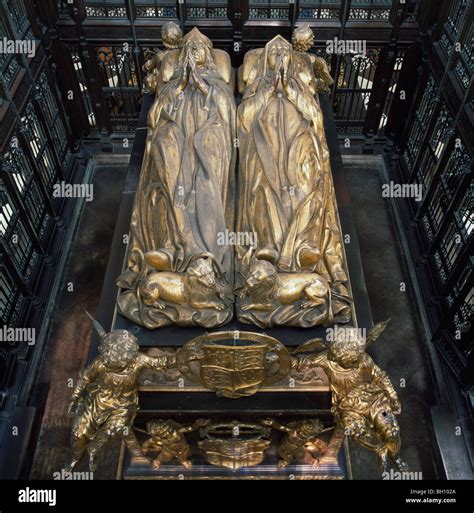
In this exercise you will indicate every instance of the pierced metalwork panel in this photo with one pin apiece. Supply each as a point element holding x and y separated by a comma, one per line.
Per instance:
<point>16,241</point>
<point>83,85</point>
<point>119,79</point>
<point>104,9</point>
<point>35,134</point>
<point>11,299</point>
<point>268,9</point>
<point>19,16</point>
<point>50,110</point>
<point>319,10</point>
<point>456,15</point>
<point>370,10</point>
<point>392,88</point>
<point>26,185</point>
<point>435,145</point>
<point>156,9</point>
<point>457,164</point>
<point>353,87</point>
<point>413,7</point>
<point>206,9</point>
<point>422,116</point>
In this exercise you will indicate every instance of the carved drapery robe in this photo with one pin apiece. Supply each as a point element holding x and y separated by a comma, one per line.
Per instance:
<point>184,198</point>
<point>286,198</point>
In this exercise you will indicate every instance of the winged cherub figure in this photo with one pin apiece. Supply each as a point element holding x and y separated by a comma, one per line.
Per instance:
<point>166,438</point>
<point>364,402</point>
<point>299,434</point>
<point>105,399</point>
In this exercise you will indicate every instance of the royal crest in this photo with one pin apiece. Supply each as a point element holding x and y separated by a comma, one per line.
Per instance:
<point>234,364</point>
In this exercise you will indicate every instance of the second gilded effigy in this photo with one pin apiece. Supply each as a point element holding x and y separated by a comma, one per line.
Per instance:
<point>295,274</point>
<point>177,272</point>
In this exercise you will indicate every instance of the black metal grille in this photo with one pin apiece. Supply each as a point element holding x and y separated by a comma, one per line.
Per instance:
<point>83,84</point>
<point>268,9</point>
<point>156,9</point>
<point>464,66</point>
<point>8,62</point>
<point>436,143</point>
<point>51,112</point>
<point>35,154</point>
<point>26,186</point>
<point>392,88</point>
<point>370,10</point>
<point>63,11</point>
<point>436,157</point>
<point>12,300</point>
<point>456,15</point>
<point>107,9</point>
<point>119,80</point>
<point>35,134</point>
<point>319,10</point>
<point>449,42</point>
<point>206,9</point>
<point>19,17</point>
<point>412,10</point>
<point>353,89</point>
<point>426,108</point>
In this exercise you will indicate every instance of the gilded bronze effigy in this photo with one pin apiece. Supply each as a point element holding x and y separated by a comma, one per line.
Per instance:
<point>176,270</point>
<point>295,274</point>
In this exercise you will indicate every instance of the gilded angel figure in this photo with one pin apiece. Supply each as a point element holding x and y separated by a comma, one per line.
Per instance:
<point>105,398</point>
<point>364,402</point>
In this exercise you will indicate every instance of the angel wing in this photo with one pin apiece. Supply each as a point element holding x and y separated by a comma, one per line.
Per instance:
<point>315,345</point>
<point>375,332</point>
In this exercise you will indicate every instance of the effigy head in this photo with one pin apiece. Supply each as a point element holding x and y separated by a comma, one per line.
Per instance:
<point>346,348</point>
<point>198,47</point>
<point>171,35</point>
<point>303,38</point>
<point>277,51</point>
